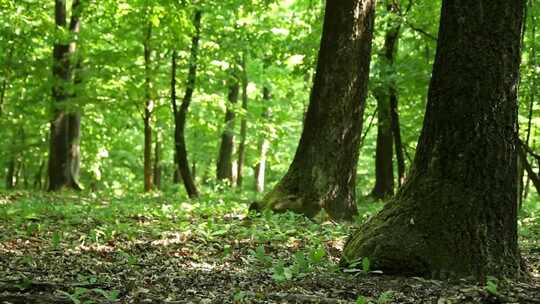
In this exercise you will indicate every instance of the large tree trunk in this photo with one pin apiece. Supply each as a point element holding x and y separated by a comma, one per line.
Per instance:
<point>323,172</point>
<point>264,145</point>
<point>64,154</point>
<point>226,149</point>
<point>180,114</point>
<point>456,214</point>
<point>243,126</point>
<point>147,116</point>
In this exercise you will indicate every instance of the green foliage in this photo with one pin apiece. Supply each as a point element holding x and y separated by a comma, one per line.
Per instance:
<point>491,286</point>
<point>361,265</point>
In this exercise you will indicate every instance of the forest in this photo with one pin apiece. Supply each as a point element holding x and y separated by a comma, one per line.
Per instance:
<point>269,151</point>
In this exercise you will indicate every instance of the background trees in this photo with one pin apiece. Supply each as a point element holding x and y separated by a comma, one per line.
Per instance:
<point>280,42</point>
<point>151,82</point>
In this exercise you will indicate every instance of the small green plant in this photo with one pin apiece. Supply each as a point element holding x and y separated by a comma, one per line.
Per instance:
<point>361,300</point>
<point>281,273</point>
<point>111,295</point>
<point>365,265</point>
<point>491,286</point>
<point>75,297</point>
<point>316,256</point>
<point>360,262</point>
<point>301,263</point>
<point>56,239</point>
<point>385,297</point>
<point>260,255</point>
<point>239,297</point>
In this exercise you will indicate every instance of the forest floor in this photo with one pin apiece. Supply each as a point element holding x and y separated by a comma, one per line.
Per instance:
<point>151,249</point>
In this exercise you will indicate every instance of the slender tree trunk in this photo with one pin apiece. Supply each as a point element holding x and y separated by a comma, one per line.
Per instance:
<point>532,96</point>
<point>148,109</point>
<point>456,214</point>
<point>19,173</point>
<point>391,48</point>
<point>535,178</point>
<point>387,102</point>
<point>38,183</point>
<point>10,176</point>
<point>225,158</point>
<point>384,169</point>
<point>157,163</point>
<point>3,86</point>
<point>323,172</point>
<point>264,145</point>
<point>64,159</point>
<point>526,191</point>
<point>180,114</point>
<point>396,132</point>
<point>243,126</point>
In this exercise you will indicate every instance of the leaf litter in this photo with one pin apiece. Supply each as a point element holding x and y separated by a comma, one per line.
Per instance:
<point>147,249</point>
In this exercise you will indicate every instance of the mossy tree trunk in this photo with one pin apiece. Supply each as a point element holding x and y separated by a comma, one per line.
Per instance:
<point>323,172</point>
<point>456,213</point>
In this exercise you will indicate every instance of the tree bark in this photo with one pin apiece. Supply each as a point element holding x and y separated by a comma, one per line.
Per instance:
<point>264,145</point>
<point>456,214</point>
<point>225,158</point>
<point>323,172</point>
<point>148,109</point>
<point>64,154</point>
<point>180,114</point>
<point>243,126</point>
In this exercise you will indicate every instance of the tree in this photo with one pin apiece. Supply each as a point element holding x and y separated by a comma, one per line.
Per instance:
<point>264,145</point>
<point>148,109</point>
<point>386,94</point>
<point>225,170</point>
<point>180,114</point>
<point>64,151</point>
<point>456,213</point>
<point>243,125</point>
<point>323,172</point>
